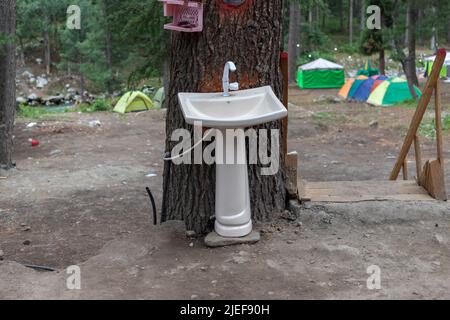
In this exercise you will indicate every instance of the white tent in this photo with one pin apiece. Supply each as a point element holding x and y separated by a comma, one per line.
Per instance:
<point>321,64</point>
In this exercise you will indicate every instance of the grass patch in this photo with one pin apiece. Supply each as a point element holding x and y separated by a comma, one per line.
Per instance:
<point>427,128</point>
<point>99,105</point>
<point>328,118</point>
<point>38,112</point>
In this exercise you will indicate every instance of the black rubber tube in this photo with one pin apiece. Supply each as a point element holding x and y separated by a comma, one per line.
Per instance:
<point>43,268</point>
<point>155,218</point>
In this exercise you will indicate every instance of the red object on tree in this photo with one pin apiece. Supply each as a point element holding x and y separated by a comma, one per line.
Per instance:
<point>34,143</point>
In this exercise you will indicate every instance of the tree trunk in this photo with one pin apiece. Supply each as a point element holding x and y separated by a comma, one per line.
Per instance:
<point>251,36</point>
<point>7,81</point>
<point>350,22</point>
<point>310,15</point>
<point>341,16</point>
<point>382,62</point>
<point>362,22</point>
<point>410,61</point>
<point>433,32</point>
<point>108,45</point>
<point>294,38</point>
<point>47,52</point>
<point>166,77</point>
<point>448,24</point>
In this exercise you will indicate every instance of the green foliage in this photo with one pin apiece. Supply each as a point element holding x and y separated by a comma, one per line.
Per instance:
<point>99,105</point>
<point>427,128</point>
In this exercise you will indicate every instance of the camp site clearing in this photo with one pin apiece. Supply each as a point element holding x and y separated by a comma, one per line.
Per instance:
<point>79,199</point>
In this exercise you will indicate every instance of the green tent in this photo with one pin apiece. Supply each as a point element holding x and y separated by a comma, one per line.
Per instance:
<point>133,101</point>
<point>159,98</point>
<point>320,73</point>
<point>392,91</point>
<point>368,71</point>
<point>429,65</point>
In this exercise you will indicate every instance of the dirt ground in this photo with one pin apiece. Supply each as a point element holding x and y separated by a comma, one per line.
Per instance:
<point>79,199</point>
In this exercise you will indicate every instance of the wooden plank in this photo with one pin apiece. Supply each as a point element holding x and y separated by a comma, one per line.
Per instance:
<point>432,180</point>
<point>357,191</point>
<point>349,199</point>
<point>371,183</point>
<point>420,111</point>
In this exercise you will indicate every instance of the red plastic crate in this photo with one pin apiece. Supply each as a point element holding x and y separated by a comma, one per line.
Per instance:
<point>187,15</point>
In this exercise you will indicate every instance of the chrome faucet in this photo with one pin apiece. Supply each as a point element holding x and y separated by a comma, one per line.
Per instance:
<point>227,86</point>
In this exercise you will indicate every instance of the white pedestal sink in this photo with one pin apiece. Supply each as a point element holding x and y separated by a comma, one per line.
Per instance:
<point>241,109</point>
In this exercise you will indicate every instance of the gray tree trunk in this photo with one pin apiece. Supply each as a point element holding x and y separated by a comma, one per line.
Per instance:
<point>294,38</point>
<point>251,36</point>
<point>362,22</point>
<point>410,61</point>
<point>7,81</point>
<point>47,52</point>
<point>350,21</point>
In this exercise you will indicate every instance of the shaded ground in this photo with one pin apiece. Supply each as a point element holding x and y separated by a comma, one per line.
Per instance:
<point>79,198</point>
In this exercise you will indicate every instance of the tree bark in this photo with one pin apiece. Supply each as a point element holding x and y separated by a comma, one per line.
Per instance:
<point>410,61</point>
<point>108,45</point>
<point>7,81</point>
<point>341,16</point>
<point>251,36</point>
<point>382,62</point>
<point>362,22</point>
<point>294,38</point>
<point>47,52</point>
<point>350,22</point>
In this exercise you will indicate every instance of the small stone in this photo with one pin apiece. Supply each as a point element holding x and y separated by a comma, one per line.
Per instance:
<point>213,240</point>
<point>191,244</point>
<point>194,296</point>
<point>214,295</point>
<point>439,239</point>
<point>26,228</point>
<point>290,242</point>
<point>287,215</point>
<point>26,242</point>
<point>214,282</point>
<point>204,268</point>
<point>373,124</point>
<point>299,224</point>
<point>190,234</point>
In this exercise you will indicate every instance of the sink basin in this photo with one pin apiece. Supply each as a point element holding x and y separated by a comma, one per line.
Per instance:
<point>243,108</point>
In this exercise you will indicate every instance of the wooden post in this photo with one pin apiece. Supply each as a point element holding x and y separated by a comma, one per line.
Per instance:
<point>284,64</point>
<point>438,121</point>
<point>420,111</point>
<point>418,156</point>
<point>405,169</point>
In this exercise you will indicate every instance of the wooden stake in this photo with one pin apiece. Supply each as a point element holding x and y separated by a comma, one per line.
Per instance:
<point>420,111</point>
<point>418,156</point>
<point>284,64</point>
<point>405,169</point>
<point>438,121</point>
